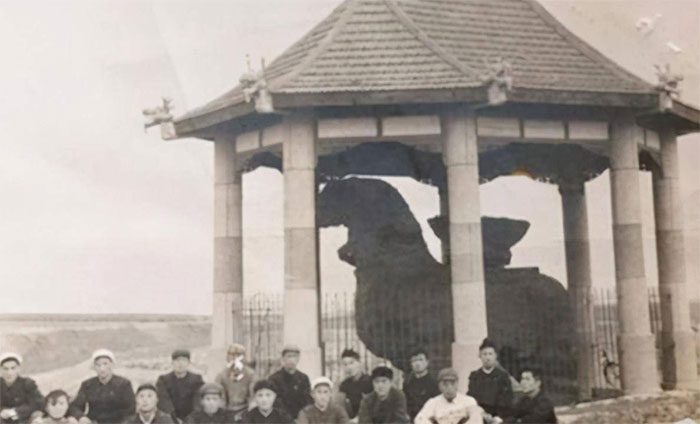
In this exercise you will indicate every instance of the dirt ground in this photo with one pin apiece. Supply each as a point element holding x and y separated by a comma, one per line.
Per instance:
<point>668,407</point>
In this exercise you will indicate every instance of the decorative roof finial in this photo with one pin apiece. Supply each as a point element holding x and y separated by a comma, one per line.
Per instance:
<point>161,115</point>
<point>255,88</point>
<point>667,85</point>
<point>499,76</point>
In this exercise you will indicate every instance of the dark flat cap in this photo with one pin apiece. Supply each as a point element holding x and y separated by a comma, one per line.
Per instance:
<point>382,371</point>
<point>146,386</point>
<point>290,348</point>
<point>181,353</point>
<point>264,384</point>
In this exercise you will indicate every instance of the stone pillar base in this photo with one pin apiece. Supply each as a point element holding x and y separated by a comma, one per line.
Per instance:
<point>465,359</point>
<point>310,362</point>
<point>683,372</point>
<point>638,364</point>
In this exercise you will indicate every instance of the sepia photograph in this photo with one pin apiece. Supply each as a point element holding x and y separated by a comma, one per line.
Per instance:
<point>349,211</point>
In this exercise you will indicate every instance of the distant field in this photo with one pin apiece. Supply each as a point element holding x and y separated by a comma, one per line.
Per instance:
<point>54,341</point>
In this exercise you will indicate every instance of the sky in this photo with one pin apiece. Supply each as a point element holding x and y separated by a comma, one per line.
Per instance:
<point>97,215</point>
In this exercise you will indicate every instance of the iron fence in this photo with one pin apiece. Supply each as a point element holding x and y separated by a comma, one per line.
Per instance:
<point>263,339</point>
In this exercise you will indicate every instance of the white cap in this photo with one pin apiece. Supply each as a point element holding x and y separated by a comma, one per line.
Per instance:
<point>102,353</point>
<point>11,355</point>
<point>321,380</point>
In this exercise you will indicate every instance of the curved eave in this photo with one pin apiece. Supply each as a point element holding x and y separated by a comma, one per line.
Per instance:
<point>235,116</point>
<point>682,117</point>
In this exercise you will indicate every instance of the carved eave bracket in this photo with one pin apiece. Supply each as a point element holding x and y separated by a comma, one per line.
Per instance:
<point>161,115</point>
<point>255,89</point>
<point>499,78</point>
<point>668,86</point>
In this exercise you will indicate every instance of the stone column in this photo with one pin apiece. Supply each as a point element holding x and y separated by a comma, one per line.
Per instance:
<point>635,341</point>
<point>445,213</point>
<point>679,364</point>
<point>301,284</point>
<point>227,320</point>
<point>466,250</point>
<point>578,276</point>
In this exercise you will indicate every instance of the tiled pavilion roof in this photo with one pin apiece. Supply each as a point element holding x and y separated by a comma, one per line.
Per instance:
<point>367,46</point>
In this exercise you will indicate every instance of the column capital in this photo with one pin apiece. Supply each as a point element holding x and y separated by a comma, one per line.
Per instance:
<point>576,186</point>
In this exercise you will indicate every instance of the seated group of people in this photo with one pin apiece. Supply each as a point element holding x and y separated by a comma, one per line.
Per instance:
<point>286,396</point>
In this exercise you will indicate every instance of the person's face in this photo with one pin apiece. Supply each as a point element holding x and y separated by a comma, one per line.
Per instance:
<point>10,371</point>
<point>265,398</point>
<point>180,365</point>
<point>210,403</point>
<point>529,383</point>
<point>488,357</point>
<point>419,363</point>
<point>322,395</point>
<point>290,360</point>
<point>146,401</point>
<point>351,366</point>
<point>448,388</point>
<point>382,385</point>
<point>57,408</point>
<point>103,367</point>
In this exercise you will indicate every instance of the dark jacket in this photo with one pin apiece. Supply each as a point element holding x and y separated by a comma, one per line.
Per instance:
<point>354,391</point>
<point>178,396</point>
<point>539,410</point>
<point>277,416</point>
<point>293,391</point>
<point>221,416</point>
<point>23,395</point>
<point>107,403</point>
<point>391,410</point>
<point>160,418</point>
<point>418,391</point>
<point>492,391</point>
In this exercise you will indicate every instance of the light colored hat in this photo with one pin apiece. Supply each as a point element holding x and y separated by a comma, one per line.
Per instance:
<point>102,353</point>
<point>448,374</point>
<point>321,380</point>
<point>236,349</point>
<point>10,356</point>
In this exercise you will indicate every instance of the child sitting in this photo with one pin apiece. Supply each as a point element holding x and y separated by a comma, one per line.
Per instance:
<point>265,412</point>
<point>56,406</point>
<point>211,407</point>
<point>322,411</point>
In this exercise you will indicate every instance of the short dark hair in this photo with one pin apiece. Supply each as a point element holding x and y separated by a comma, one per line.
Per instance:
<point>487,343</point>
<point>535,371</point>
<point>420,350</point>
<point>350,353</point>
<point>53,397</point>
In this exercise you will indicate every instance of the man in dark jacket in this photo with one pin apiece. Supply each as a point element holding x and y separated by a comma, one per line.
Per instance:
<point>420,385</point>
<point>19,396</point>
<point>147,411</point>
<point>490,385</point>
<point>357,384</point>
<point>178,391</point>
<point>534,406</point>
<point>293,386</point>
<point>386,404</point>
<point>211,411</point>
<point>108,398</point>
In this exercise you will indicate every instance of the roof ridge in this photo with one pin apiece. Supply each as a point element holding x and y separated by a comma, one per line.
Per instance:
<point>350,6</point>
<point>580,44</point>
<point>435,47</point>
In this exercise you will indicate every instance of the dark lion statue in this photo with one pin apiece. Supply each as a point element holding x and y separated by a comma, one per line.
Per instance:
<point>403,294</point>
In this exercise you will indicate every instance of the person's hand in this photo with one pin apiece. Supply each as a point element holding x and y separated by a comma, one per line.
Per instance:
<point>497,420</point>
<point>84,420</point>
<point>72,420</point>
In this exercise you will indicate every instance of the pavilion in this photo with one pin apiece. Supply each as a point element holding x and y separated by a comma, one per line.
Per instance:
<point>458,77</point>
